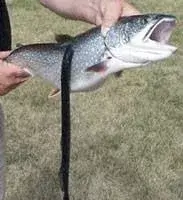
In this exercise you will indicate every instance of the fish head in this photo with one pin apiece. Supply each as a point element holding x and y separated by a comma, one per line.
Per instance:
<point>139,40</point>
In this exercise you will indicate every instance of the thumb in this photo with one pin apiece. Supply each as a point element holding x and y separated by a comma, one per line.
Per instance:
<point>4,54</point>
<point>112,10</point>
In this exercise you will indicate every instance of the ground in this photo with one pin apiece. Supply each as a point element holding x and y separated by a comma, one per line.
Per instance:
<point>127,137</point>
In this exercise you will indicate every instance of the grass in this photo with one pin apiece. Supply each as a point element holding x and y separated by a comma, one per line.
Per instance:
<point>127,137</point>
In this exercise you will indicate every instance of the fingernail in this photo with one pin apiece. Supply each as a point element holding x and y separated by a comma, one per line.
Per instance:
<point>28,71</point>
<point>104,31</point>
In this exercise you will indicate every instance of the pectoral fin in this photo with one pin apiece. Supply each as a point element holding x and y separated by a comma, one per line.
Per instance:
<point>63,38</point>
<point>100,67</point>
<point>54,94</point>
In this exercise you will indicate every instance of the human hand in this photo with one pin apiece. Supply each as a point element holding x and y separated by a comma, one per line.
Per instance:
<point>11,75</point>
<point>98,12</point>
<point>107,12</point>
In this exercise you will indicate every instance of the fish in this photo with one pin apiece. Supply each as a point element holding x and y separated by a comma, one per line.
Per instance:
<point>131,42</point>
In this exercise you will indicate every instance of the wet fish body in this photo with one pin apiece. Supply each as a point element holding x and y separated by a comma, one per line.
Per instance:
<point>133,41</point>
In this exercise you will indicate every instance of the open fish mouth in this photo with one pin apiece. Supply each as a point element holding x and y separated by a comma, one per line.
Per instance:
<point>160,32</point>
<point>149,44</point>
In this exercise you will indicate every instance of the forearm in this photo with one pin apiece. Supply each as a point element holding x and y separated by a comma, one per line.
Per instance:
<point>74,9</point>
<point>86,10</point>
<point>98,12</point>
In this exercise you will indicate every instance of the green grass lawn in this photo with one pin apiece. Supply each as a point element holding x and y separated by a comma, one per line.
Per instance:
<point>127,137</point>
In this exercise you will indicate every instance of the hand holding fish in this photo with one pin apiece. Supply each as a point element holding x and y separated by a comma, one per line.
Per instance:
<point>11,76</point>
<point>98,12</point>
<point>109,11</point>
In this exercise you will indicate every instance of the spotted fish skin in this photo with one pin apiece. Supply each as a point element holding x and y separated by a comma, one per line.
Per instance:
<point>46,60</point>
<point>95,57</point>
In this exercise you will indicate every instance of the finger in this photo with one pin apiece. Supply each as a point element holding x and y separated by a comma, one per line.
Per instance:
<point>111,12</point>
<point>16,71</point>
<point>13,80</point>
<point>12,87</point>
<point>98,20</point>
<point>19,80</point>
<point>4,91</point>
<point>23,74</point>
<point>4,54</point>
<point>104,31</point>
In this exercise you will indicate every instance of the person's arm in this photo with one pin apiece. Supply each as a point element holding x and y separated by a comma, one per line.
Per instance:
<point>11,76</point>
<point>97,12</point>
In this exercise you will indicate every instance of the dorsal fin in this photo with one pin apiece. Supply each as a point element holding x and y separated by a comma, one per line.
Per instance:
<point>63,38</point>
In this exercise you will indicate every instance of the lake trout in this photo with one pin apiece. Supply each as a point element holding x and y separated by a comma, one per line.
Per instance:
<point>133,41</point>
